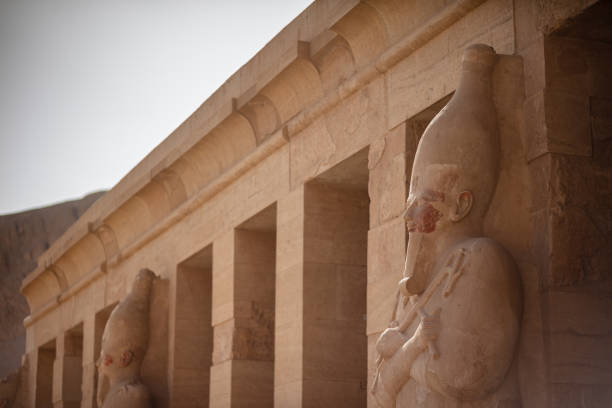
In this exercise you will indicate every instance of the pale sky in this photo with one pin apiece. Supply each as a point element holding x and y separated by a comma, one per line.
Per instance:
<point>88,88</point>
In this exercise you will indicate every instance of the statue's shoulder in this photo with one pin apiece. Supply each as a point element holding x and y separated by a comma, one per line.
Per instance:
<point>486,264</point>
<point>138,390</point>
<point>482,270</point>
<point>487,256</point>
<point>132,394</point>
<point>480,312</point>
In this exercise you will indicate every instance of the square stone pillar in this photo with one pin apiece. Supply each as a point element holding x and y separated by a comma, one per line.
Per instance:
<point>89,362</point>
<point>243,319</point>
<point>68,371</point>
<point>390,165</point>
<point>289,342</point>
<point>321,349</point>
<point>30,388</point>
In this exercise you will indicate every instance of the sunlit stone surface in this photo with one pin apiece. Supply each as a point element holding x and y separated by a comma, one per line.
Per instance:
<point>276,220</point>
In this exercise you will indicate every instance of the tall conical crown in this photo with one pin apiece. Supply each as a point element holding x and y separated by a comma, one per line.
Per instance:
<point>128,325</point>
<point>463,136</point>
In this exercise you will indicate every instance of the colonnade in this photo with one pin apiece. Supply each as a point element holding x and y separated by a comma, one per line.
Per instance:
<point>271,313</point>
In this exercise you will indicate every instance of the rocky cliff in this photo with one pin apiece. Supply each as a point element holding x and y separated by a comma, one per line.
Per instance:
<point>23,237</point>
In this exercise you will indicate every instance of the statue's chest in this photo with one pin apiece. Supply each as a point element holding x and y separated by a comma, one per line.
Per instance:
<point>478,328</point>
<point>127,396</point>
<point>438,293</point>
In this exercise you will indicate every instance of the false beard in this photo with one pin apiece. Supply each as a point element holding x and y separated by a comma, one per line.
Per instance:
<point>420,260</point>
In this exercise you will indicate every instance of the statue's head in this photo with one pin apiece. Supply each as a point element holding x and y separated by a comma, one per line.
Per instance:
<point>456,164</point>
<point>126,335</point>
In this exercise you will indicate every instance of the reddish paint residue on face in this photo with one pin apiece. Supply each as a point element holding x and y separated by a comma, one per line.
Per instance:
<point>108,360</point>
<point>425,218</point>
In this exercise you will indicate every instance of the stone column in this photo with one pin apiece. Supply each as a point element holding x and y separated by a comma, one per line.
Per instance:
<point>321,297</point>
<point>289,342</point>
<point>58,370</point>
<point>390,161</point>
<point>67,372</point>
<point>90,333</point>
<point>243,319</point>
<point>31,385</point>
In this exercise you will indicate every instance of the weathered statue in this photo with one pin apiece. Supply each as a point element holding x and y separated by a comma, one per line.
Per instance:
<point>455,330</point>
<point>124,344</point>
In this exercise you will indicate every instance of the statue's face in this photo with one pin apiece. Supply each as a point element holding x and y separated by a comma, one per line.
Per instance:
<point>106,359</point>
<point>430,203</point>
<point>424,209</point>
<point>105,362</point>
<point>430,213</point>
<point>110,363</point>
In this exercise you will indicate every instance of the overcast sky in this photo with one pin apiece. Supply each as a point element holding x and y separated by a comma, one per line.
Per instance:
<point>88,88</point>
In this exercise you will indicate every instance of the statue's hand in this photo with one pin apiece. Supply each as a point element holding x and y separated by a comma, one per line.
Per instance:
<point>389,342</point>
<point>428,331</point>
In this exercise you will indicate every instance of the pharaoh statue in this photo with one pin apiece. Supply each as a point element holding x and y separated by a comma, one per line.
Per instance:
<point>124,344</point>
<point>453,336</point>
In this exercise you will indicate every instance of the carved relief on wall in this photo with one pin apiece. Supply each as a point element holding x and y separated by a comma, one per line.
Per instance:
<point>454,333</point>
<point>124,344</point>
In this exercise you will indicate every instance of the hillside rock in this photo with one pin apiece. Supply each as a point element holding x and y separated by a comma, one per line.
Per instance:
<point>23,237</point>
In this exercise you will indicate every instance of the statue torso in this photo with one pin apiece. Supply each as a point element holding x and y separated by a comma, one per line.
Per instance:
<point>128,395</point>
<point>477,290</point>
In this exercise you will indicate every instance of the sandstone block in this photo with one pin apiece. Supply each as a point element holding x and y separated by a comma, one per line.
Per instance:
<point>431,72</point>
<point>386,252</point>
<point>388,159</point>
<point>221,385</point>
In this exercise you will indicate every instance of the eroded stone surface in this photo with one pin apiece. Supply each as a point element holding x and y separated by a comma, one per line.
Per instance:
<point>124,345</point>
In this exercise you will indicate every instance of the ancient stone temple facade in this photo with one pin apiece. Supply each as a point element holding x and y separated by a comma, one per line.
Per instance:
<point>322,233</point>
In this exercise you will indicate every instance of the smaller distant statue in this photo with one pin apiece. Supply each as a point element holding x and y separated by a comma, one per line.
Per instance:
<point>124,344</point>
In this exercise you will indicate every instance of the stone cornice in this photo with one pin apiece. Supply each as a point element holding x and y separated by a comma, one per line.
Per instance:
<point>273,97</point>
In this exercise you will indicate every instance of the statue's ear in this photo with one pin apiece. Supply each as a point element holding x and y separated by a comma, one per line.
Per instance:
<point>463,206</point>
<point>126,358</point>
